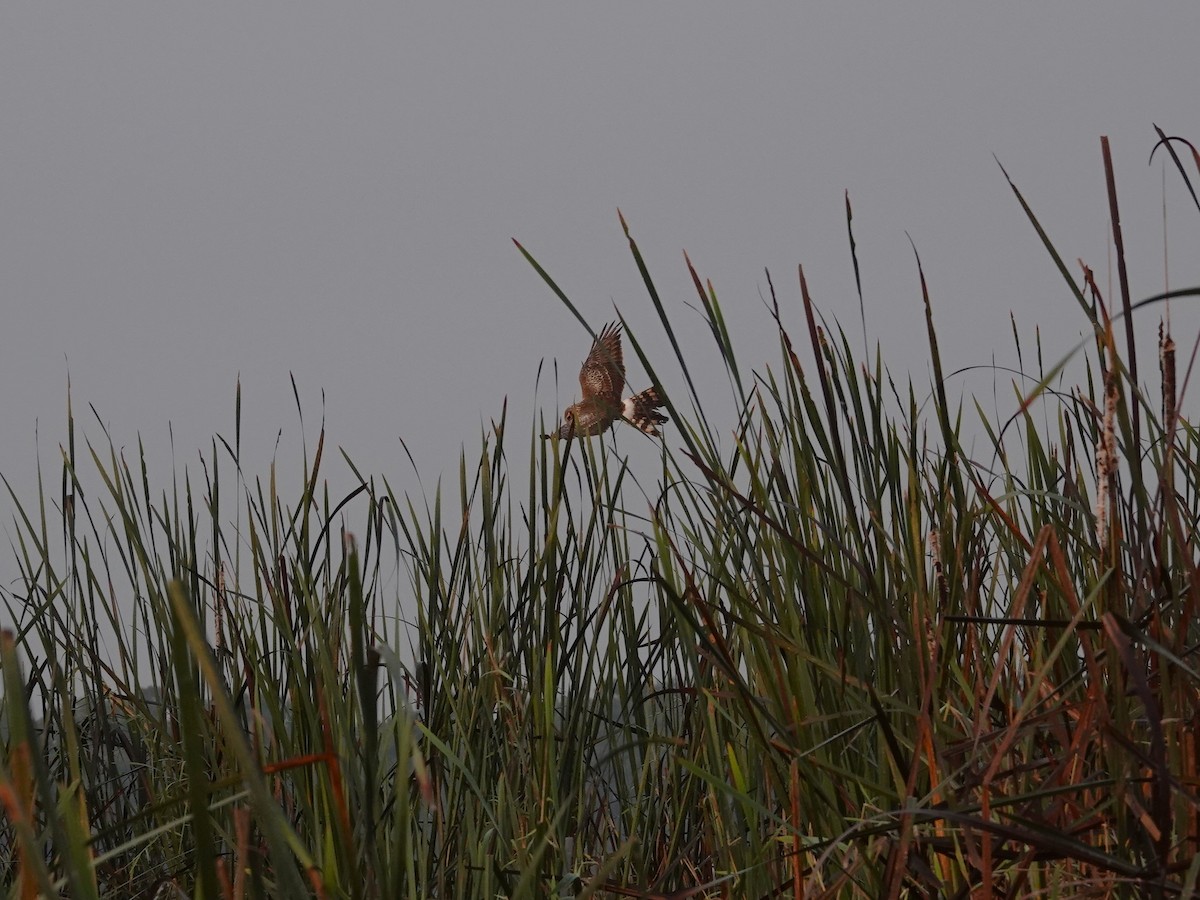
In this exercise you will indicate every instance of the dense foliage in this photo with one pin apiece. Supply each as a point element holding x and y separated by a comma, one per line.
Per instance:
<point>816,650</point>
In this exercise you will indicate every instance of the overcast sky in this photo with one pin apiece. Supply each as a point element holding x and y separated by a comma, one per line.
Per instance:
<point>329,191</point>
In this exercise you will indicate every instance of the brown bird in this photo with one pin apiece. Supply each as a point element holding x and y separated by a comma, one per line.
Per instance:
<point>602,380</point>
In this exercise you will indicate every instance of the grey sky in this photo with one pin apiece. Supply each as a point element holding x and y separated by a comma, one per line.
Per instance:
<point>190,191</point>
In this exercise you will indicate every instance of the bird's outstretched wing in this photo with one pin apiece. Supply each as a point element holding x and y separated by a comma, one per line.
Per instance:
<point>603,374</point>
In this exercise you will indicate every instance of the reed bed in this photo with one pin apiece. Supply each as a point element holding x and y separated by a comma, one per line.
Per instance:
<point>818,650</point>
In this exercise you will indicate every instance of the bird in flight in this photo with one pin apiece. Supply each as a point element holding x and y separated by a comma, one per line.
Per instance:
<point>602,380</point>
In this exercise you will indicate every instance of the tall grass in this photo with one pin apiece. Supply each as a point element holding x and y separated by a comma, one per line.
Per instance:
<point>818,650</point>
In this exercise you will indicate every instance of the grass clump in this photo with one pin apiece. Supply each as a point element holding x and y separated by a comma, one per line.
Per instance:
<point>820,650</point>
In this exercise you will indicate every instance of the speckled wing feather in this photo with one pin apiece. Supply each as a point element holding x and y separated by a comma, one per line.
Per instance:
<point>602,377</point>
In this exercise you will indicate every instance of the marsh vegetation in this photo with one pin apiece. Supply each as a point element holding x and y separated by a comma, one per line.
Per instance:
<point>818,648</point>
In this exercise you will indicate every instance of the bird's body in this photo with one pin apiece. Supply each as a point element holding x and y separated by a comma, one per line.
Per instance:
<point>602,380</point>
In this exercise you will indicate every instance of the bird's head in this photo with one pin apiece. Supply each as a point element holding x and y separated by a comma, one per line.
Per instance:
<point>568,426</point>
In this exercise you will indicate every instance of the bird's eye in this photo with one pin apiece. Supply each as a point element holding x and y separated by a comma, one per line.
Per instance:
<point>569,415</point>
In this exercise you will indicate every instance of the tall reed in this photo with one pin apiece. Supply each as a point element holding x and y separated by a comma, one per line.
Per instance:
<point>820,649</point>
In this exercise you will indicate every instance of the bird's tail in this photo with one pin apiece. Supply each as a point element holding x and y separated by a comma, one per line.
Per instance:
<point>641,411</point>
